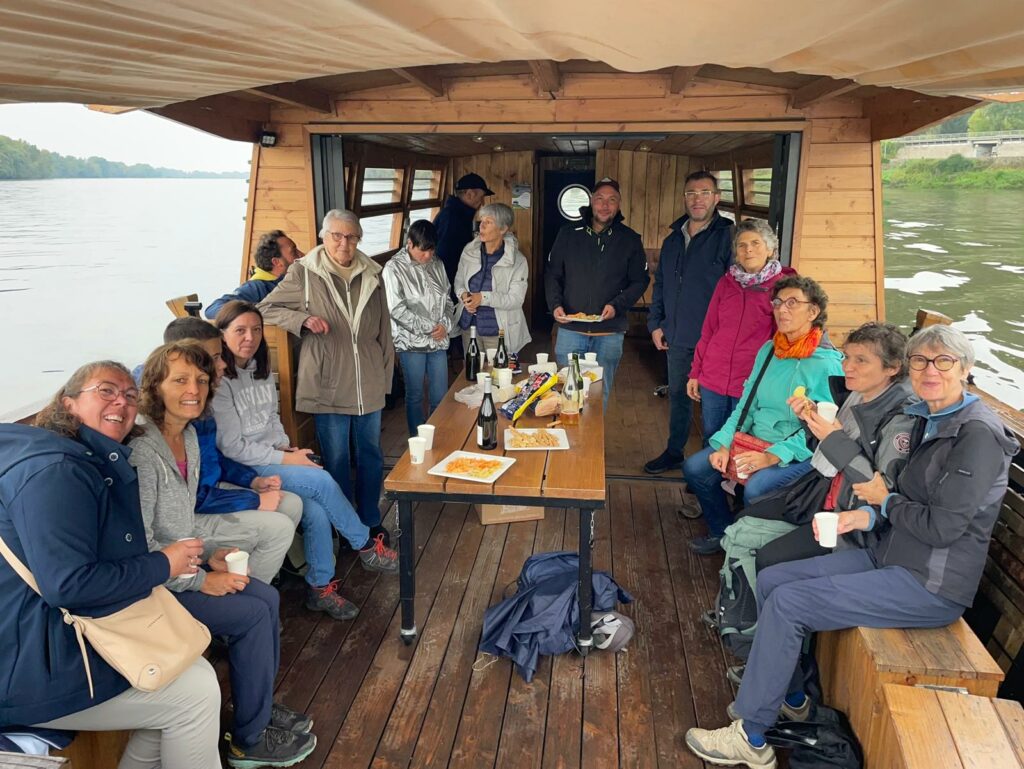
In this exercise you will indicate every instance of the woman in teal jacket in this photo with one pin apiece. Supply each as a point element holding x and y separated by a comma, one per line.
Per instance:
<point>799,355</point>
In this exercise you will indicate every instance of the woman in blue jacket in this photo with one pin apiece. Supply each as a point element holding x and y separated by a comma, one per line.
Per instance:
<point>69,510</point>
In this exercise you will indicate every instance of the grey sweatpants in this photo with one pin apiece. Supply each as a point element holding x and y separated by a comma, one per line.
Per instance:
<point>176,727</point>
<point>830,592</point>
<point>264,535</point>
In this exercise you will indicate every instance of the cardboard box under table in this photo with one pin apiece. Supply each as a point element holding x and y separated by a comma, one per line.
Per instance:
<point>509,513</point>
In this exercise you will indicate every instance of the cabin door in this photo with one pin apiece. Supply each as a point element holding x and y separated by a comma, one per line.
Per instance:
<point>564,191</point>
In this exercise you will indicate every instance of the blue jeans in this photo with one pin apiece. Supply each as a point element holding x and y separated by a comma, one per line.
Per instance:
<point>608,348</point>
<point>830,592</point>
<point>679,404</point>
<point>323,505</point>
<point>714,411</point>
<point>334,431</point>
<point>706,483</point>
<point>414,366</point>
<point>250,621</point>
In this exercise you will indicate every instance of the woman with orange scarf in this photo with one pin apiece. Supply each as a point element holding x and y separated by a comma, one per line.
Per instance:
<point>799,356</point>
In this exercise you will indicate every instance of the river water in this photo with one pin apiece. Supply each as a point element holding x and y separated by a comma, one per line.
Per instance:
<point>86,265</point>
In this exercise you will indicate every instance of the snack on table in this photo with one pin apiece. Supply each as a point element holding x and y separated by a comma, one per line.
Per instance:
<point>535,386</point>
<point>477,468</point>
<point>538,439</point>
<point>590,375</point>
<point>547,404</point>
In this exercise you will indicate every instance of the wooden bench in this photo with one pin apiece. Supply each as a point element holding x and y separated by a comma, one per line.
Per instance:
<point>928,729</point>
<point>95,750</point>
<point>857,663</point>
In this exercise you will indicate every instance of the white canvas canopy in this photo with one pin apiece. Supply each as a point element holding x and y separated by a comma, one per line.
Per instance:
<point>146,53</point>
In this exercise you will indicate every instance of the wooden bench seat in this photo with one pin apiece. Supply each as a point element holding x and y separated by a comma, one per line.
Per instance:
<point>928,729</point>
<point>857,663</point>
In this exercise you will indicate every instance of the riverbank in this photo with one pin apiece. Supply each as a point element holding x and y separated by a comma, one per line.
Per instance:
<point>956,172</point>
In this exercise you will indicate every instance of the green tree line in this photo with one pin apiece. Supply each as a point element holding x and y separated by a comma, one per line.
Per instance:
<point>991,117</point>
<point>21,160</point>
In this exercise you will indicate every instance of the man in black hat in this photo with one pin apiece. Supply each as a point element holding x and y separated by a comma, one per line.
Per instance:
<point>455,221</point>
<point>597,269</point>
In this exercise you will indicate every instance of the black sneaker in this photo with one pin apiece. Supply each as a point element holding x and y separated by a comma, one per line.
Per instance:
<point>377,556</point>
<point>662,464</point>
<point>283,717</point>
<point>275,747</point>
<point>706,545</point>
<point>328,600</point>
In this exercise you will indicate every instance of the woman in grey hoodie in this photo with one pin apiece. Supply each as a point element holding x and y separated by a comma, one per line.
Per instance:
<point>176,383</point>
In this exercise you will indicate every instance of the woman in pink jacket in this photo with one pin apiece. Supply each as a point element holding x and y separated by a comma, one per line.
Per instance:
<point>739,320</point>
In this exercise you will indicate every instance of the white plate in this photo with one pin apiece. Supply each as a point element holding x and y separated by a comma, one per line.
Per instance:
<point>585,320</point>
<point>598,371</point>
<point>439,468</point>
<point>557,432</point>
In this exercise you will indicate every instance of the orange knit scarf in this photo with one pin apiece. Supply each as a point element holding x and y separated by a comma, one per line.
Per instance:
<point>803,347</point>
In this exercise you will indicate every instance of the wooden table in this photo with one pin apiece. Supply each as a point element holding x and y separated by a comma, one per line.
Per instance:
<point>573,478</point>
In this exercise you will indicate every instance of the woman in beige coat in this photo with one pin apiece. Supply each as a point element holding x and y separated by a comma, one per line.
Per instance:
<point>333,299</point>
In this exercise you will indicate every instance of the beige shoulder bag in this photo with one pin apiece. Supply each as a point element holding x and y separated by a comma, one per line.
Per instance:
<point>150,643</point>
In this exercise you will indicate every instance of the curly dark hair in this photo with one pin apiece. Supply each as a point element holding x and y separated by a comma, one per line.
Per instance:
<point>888,341</point>
<point>812,291</point>
<point>56,417</point>
<point>228,314</point>
<point>268,249</point>
<point>157,368</point>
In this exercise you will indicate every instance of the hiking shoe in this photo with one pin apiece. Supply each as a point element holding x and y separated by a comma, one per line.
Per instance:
<point>735,673</point>
<point>328,600</point>
<point>275,747</point>
<point>787,712</point>
<point>377,556</point>
<point>706,545</point>
<point>729,746</point>
<point>663,463</point>
<point>283,717</point>
<point>379,530</point>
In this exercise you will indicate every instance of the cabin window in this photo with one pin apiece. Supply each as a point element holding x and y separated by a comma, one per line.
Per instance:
<point>423,213</point>
<point>757,188</point>
<point>571,199</point>
<point>426,184</point>
<point>726,186</point>
<point>381,186</point>
<point>380,233</point>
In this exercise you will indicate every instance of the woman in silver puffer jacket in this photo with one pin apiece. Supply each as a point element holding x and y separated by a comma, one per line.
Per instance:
<point>419,301</point>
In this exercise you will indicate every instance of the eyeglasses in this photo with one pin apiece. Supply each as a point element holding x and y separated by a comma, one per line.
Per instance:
<point>698,194</point>
<point>941,362</point>
<point>109,392</point>
<point>337,237</point>
<point>790,303</point>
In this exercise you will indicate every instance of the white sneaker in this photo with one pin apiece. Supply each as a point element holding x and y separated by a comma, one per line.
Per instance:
<point>729,746</point>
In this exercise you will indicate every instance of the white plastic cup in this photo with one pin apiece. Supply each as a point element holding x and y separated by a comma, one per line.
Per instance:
<point>426,432</point>
<point>542,357</point>
<point>590,357</point>
<point>828,411</point>
<point>491,353</point>
<point>417,450</point>
<point>586,387</point>
<point>238,562</point>
<point>828,528</point>
<point>504,377</point>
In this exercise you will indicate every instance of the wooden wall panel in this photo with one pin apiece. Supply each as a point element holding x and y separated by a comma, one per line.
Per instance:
<point>652,189</point>
<point>501,170</point>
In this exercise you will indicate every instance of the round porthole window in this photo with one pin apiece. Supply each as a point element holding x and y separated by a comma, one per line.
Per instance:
<point>571,199</point>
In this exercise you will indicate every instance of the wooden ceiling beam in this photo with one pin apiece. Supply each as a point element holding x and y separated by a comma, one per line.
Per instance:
<point>296,95</point>
<point>820,89</point>
<point>547,74</point>
<point>225,125</point>
<point>681,77</point>
<point>898,112</point>
<point>423,77</point>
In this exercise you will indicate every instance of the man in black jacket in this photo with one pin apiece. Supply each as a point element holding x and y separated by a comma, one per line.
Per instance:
<point>455,221</point>
<point>596,268</point>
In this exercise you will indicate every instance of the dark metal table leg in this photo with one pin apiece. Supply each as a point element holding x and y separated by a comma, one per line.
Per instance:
<point>585,588</point>
<point>407,570</point>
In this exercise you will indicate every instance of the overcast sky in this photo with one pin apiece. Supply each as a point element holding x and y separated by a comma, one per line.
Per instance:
<point>134,137</point>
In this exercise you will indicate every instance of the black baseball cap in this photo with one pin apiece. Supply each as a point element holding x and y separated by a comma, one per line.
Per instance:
<point>473,182</point>
<point>606,181</point>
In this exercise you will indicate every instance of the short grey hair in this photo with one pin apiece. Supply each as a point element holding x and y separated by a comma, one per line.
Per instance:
<point>945,338</point>
<point>759,227</point>
<point>502,215</point>
<point>340,215</point>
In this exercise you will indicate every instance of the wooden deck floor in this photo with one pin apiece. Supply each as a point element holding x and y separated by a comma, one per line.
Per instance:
<point>380,704</point>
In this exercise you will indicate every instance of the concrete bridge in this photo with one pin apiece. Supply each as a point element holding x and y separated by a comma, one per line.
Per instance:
<point>1001,144</point>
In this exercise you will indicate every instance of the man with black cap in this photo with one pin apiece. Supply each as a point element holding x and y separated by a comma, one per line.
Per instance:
<point>455,221</point>
<point>598,268</point>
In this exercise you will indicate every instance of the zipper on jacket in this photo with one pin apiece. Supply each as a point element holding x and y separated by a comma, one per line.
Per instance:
<point>355,350</point>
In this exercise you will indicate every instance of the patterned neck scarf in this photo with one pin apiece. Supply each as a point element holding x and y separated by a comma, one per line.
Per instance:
<point>747,279</point>
<point>803,347</point>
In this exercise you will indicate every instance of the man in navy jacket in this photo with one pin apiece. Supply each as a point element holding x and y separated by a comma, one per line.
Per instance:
<point>275,253</point>
<point>455,221</point>
<point>693,259</point>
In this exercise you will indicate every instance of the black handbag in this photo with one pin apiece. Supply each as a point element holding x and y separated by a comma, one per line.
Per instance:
<point>826,741</point>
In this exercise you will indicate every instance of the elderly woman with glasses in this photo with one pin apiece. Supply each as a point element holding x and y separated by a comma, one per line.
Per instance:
<point>921,570</point>
<point>491,282</point>
<point>799,355</point>
<point>333,300</point>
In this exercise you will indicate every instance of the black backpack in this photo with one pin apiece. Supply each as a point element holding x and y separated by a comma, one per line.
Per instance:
<point>826,741</point>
